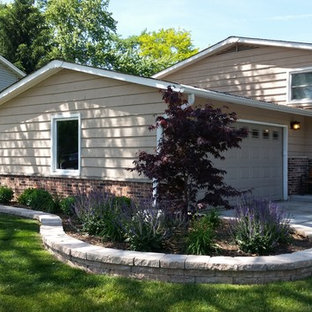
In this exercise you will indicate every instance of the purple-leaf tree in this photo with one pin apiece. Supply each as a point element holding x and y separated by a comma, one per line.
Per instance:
<point>183,163</point>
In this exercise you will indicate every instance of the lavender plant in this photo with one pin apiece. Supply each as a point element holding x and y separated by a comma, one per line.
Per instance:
<point>103,214</point>
<point>260,226</point>
<point>147,229</point>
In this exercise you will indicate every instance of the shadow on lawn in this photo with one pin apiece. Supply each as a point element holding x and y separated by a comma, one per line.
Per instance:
<point>32,280</point>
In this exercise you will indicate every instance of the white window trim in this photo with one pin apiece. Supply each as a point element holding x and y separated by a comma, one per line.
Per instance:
<point>289,77</point>
<point>54,119</point>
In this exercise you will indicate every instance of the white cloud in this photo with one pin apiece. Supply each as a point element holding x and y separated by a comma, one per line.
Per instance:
<point>289,17</point>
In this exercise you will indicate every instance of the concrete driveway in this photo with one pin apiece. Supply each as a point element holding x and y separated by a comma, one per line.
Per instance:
<point>300,212</point>
<point>299,209</point>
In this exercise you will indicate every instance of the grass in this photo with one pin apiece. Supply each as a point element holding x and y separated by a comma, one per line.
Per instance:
<point>32,280</point>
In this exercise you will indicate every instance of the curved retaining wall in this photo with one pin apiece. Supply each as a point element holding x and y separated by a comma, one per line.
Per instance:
<point>167,267</point>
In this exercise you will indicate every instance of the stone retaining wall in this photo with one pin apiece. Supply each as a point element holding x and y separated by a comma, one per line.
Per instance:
<point>168,267</point>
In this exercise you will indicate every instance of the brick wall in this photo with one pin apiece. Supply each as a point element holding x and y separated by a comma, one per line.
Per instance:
<point>297,168</point>
<point>71,186</point>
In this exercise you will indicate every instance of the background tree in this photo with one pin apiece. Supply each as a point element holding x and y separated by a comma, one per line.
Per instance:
<point>151,52</point>
<point>183,165</point>
<point>83,31</point>
<point>33,33</point>
<point>24,35</point>
<point>127,58</point>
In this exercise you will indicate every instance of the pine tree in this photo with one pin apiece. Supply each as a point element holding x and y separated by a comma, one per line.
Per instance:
<point>24,35</point>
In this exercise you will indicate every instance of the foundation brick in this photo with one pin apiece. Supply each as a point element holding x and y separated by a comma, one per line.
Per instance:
<point>69,186</point>
<point>298,167</point>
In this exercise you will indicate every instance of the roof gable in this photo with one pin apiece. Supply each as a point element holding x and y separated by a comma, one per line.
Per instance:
<point>56,66</point>
<point>232,44</point>
<point>11,67</point>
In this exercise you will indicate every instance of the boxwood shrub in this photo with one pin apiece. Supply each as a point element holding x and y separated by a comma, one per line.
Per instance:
<point>6,194</point>
<point>37,199</point>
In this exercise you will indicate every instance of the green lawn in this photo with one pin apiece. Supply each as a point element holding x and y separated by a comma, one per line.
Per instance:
<point>32,280</point>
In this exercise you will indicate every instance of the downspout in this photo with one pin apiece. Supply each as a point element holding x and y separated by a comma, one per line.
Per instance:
<point>159,136</point>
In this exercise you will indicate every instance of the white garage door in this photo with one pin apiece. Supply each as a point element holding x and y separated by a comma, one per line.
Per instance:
<point>258,165</point>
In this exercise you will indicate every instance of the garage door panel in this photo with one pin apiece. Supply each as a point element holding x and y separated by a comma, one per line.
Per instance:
<point>259,162</point>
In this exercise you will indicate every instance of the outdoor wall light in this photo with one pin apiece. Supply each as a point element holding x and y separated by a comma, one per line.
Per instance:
<point>295,125</point>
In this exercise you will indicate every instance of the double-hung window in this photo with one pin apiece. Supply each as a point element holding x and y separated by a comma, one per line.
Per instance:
<point>66,144</point>
<point>301,86</point>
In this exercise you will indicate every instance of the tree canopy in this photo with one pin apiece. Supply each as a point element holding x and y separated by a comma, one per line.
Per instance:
<point>151,52</point>
<point>35,32</point>
<point>82,31</point>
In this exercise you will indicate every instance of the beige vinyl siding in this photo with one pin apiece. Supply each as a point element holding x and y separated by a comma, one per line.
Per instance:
<point>7,77</point>
<point>115,116</point>
<point>259,73</point>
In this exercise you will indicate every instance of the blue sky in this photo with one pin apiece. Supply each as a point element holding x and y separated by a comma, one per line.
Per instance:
<point>210,21</point>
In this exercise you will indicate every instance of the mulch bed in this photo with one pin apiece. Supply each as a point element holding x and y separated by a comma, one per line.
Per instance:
<point>224,244</point>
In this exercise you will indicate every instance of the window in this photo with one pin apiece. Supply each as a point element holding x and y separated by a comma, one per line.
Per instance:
<point>275,135</point>
<point>66,144</point>
<point>301,86</point>
<point>255,133</point>
<point>266,134</point>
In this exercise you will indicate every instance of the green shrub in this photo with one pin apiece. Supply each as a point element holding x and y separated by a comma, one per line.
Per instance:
<point>6,194</point>
<point>37,199</point>
<point>201,235</point>
<point>93,225</point>
<point>66,205</point>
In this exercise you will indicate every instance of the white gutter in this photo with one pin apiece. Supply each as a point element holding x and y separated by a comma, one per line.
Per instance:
<point>219,96</point>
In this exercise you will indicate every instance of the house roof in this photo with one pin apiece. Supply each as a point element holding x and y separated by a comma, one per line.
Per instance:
<point>13,68</point>
<point>226,44</point>
<point>55,66</point>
